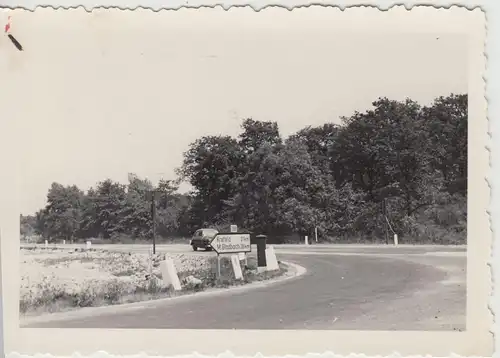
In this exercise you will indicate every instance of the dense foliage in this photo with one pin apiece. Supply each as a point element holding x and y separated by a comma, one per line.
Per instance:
<point>401,158</point>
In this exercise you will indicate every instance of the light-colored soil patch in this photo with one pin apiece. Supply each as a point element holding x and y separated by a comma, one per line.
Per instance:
<point>59,279</point>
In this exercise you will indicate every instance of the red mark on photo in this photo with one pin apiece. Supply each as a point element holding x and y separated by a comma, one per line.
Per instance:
<point>12,38</point>
<point>7,26</point>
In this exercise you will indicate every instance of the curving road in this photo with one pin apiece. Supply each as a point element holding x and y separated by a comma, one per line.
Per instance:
<point>345,287</point>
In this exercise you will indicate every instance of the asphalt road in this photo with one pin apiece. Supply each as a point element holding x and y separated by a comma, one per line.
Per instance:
<point>345,287</point>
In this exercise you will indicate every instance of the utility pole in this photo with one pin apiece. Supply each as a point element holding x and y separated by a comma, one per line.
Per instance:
<point>153,214</point>
<point>386,229</point>
<point>152,195</point>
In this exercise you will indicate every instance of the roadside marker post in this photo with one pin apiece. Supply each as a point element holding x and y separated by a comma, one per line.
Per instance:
<point>261,252</point>
<point>46,243</point>
<point>238,274</point>
<point>64,242</point>
<point>307,240</point>
<point>316,233</point>
<point>169,274</point>
<point>272,261</point>
<point>88,244</point>
<point>393,232</point>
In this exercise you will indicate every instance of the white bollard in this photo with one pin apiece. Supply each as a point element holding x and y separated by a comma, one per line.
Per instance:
<point>307,240</point>
<point>88,243</point>
<point>395,239</point>
<point>169,274</point>
<point>46,243</point>
<point>271,260</point>
<point>64,242</point>
<point>236,267</point>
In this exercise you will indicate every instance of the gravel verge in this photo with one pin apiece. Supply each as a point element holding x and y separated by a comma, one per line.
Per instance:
<point>59,280</point>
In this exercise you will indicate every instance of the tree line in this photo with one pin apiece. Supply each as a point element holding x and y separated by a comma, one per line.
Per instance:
<point>398,166</point>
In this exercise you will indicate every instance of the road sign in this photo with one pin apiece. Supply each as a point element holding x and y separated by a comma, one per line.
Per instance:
<point>234,228</point>
<point>231,243</point>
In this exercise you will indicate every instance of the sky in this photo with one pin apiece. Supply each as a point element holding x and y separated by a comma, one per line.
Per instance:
<point>100,96</point>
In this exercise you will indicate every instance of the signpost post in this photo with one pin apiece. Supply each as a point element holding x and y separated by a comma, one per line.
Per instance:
<point>230,243</point>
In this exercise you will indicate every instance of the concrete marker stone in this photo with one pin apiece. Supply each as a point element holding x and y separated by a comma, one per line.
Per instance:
<point>238,274</point>
<point>169,274</point>
<point>272,261</point>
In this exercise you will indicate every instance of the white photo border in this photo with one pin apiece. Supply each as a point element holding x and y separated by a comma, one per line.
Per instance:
<point>491,80</point>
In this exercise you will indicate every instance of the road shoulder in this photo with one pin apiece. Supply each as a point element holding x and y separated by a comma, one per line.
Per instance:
<point>294,272</point>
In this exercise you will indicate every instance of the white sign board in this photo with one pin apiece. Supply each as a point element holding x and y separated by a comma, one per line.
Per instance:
<point>231,243</point>
<point>238,274</point>
<point>234,228</point>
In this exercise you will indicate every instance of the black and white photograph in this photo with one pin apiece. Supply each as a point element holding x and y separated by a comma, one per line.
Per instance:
<point>231,170</point>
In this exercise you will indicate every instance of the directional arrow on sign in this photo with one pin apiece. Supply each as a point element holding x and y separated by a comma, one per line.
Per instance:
<point>231,243</point>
